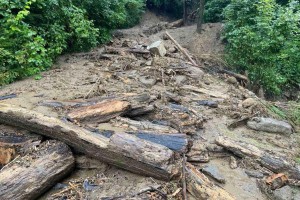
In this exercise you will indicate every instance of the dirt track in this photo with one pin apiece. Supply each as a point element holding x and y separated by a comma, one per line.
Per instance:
<point>79,76</point>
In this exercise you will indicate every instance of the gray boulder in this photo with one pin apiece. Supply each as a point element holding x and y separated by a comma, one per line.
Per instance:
<point>157,48</point>
<point>270,125</point>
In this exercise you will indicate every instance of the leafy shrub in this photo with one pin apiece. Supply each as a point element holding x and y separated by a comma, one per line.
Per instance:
<point>171,7</point>
<point>214,10</point>
<point>263,38</point>
<point>35,32</point>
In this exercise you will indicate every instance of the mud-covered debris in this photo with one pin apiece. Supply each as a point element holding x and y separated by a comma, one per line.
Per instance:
<point>147,81</point>
<point>157,48</point>
<point>232,80</point>
<point>254,174</point>
<point>270,125</point>
<point>213,171</point>
<point>88,186</point>
<point>180,79</point>
<point>209,103</point>
<point>249,102</point>
<point>10,96</point>
<point>233,162</point>
<point>286,193</point>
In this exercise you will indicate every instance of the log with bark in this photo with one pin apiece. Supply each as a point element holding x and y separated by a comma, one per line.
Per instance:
<point>237,76</point>
<point>202,188</point>
<point>122,150</point>
<point>271,162</point>
<point>138,110</point>
<point>29,176</point>
<point>100,112</point>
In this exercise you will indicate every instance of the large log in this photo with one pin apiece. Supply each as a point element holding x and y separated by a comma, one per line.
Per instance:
<point>271,162</point>
<point>202,188</point>
<point>113,150</point>
<point>29,176</point>
<point>100,112</point>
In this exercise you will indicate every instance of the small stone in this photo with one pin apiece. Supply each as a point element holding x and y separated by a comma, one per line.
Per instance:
<point>148,63</point>
<point>254,174</point>
<point>195,72</point>
<point>180,79</point>
<point>249,102</point>
<point>172,50</point>
<point>214,172</point>
<point>157,48</point>
<point>232,80</point>
<point>233,163</point>
<point>270,125</point>
<point>209,103</point>
<point>149,82</point>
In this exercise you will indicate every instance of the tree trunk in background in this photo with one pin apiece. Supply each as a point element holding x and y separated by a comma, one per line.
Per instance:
<point>184,12</point>
<point>200,19</point>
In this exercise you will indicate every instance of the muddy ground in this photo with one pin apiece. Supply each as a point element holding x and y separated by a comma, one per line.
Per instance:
<point>78,77</point>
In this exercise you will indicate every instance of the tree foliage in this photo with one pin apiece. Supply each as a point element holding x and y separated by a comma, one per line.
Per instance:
<point>264,39</point>
<point>35,32</point>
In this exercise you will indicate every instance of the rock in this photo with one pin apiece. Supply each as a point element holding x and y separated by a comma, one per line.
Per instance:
<point>270,125</point>
<point>249,102</point>
<point>149,82</point>
<point>195,72</point>
<point>157,48</point>
<point>209,103</point>
<point>232,80</point>
<point>148,63</point>
<point>180,79</point>
<point>233,163</point>
<point>284,193</point>
<point>253,173</point>
<point>214,172</point>
<point>172,50</point>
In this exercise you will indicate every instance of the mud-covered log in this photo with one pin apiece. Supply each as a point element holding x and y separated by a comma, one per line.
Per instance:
<point>100,112</point>
<point>114,50</point>
<point>176,142</point>
<point>271,162</point>
<point>202,188</point>
<point>29,176</point>
<point>146,125</point>
<point>95,145</point>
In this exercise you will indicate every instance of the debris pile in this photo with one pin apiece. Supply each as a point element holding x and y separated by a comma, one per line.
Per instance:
<point>159,98</point>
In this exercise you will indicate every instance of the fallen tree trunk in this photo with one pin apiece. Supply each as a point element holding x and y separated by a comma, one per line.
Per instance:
<point>182,50</point>
<point>122,150</point>
<point>139,110</point>
<point>237,76</point>
<point>114,50</point>
<point>100,112</point>
<point>30,176</point>
<point>202,188</point>
<point>271,162</point>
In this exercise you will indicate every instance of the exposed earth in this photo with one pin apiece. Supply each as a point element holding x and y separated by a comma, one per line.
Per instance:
<point>88,76</point>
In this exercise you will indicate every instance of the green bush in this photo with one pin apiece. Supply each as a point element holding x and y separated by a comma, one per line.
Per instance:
<point>264,39</point>
<point>172,7</point>
<point>35,32</point>
<point>214,10</point>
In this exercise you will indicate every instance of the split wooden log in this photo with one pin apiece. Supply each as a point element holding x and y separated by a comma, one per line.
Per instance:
<point>29,176</point>
<point>211,93</point>
<point>100,112</point>
<point>122,150</point>
<point>182,50</point>
<point>146,125</point>
<point>15,142</point>
<point>202,188</point>
<point>139,110</point>
<point>271,162</point>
